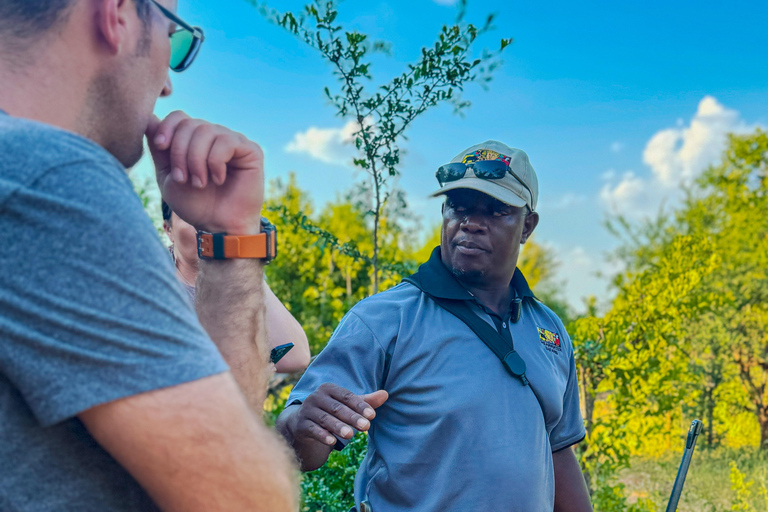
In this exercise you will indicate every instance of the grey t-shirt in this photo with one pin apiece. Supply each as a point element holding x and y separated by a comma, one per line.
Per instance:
<point>90,312</point>
<point>457,433</point>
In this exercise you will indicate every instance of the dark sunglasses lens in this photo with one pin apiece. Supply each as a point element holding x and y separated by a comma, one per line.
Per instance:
<point>184,47</point>
<point>490,169</point>
<point>450,172</point>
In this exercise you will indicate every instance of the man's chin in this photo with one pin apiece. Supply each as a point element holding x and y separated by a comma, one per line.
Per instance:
<point>468,274</point>
<point>129,156</point>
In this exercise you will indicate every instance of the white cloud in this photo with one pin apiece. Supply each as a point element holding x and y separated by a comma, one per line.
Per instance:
<point>617,147</point>
<point>675,157</point>
<point>329,145</point>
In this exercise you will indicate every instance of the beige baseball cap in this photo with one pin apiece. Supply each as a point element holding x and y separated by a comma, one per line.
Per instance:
<point>519,190</point>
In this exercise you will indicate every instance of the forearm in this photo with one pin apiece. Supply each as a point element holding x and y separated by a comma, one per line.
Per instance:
<point>198,447</point>
<point>311,454</point>
<point>571,494</point>
<point>230,306</point>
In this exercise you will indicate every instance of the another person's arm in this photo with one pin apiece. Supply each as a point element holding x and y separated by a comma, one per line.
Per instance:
<point>283,328</point>
<point>340,391</point>
<point>571,494</point>
<point>331,410</point>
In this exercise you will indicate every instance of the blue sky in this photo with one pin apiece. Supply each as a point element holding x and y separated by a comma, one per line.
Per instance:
<point>616,103</point>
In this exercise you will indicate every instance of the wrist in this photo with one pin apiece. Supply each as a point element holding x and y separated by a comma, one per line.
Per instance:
<point>233,228</point>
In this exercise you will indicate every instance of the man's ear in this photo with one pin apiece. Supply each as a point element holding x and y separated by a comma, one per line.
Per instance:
<point>112,23</point>
<point>531,221</point>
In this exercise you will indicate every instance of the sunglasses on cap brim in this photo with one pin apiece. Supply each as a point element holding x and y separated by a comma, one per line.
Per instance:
<point>185,41</point>
<point>483,169</point>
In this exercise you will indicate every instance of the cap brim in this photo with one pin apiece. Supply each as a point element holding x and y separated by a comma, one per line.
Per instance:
<point>485,186</point>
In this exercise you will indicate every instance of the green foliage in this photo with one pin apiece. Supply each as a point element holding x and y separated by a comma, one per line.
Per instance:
<point>384,112</point>
<point>686,334</point>
<point>319,276</point>
<point>331,488</point>
<point>746,491</point>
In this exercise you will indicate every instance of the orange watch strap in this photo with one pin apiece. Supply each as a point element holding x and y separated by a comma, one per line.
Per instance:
<point>260,246</point>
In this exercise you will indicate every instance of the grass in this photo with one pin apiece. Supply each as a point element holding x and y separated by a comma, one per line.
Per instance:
<point>708,486</point>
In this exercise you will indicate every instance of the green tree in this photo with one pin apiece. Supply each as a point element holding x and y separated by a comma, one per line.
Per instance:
<point>383,113</point>
<point>320,276</point>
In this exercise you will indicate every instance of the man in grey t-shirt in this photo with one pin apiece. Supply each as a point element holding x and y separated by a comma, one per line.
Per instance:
<point>454,431</point>
<point>113,396</point>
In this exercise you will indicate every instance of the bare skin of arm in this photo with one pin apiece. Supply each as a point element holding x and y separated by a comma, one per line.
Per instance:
<point>571,494</point>
<point>283,328</point>
<point>331,410</point>
<point>197,447</point>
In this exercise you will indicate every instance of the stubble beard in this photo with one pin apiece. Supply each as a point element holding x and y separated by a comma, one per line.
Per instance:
<point>113,119</point>
<point>468,275</point>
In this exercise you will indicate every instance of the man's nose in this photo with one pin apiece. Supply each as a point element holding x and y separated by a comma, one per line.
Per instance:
<point>167,88</point>
<point>473,222</point>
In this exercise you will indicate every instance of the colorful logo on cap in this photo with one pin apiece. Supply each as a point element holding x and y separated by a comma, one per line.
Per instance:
<point>485,154</point>
<point>550,340</point>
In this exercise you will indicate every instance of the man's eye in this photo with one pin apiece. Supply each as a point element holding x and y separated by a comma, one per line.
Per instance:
<point>460,208</point>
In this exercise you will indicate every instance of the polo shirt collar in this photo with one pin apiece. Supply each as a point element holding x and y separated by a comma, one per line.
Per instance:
<point>438,281</point>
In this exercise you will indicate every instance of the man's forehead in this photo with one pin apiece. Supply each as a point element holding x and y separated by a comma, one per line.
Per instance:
<point>474,197</point>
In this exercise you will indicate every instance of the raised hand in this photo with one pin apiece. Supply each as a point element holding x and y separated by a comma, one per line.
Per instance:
<point>333,410</point>
<point>212,177</point>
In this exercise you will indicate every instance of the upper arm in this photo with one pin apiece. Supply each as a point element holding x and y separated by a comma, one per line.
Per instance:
<point>196,446</point>
<point>571,494</point>
<point>353,359</point>
<point>283,328</point>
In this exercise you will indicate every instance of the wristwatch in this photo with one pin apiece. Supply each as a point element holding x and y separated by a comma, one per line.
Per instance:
<point>221,246</point>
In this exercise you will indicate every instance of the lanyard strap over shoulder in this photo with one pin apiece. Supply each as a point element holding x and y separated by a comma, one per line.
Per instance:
<point>511,360</point>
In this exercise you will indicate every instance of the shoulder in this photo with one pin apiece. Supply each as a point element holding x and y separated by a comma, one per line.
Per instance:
<point>381,314</point>
<point>396,299</point>
<point>31,149</point>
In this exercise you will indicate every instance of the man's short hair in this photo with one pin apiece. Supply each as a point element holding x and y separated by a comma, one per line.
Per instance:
<point>166,212</point>
<point>24,19</point>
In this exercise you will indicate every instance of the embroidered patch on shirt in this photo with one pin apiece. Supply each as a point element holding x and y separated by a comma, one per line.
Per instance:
<point>550,340</point>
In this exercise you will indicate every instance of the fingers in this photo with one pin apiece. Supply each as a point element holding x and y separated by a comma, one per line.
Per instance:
<point>376,399</point>
<point>334,411</point>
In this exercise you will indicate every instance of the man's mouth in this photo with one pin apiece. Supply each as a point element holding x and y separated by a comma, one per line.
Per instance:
<point>468,247</point>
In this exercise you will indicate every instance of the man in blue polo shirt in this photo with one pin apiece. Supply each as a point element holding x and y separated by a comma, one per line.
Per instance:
<point>454,430</point>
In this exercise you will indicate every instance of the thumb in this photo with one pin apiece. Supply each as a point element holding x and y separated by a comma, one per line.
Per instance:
<point>161,158</point>
<point>376,399</point>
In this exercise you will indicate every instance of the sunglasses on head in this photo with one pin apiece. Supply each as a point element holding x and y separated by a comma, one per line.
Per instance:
<point>185,41</point>
<point>483,169</point>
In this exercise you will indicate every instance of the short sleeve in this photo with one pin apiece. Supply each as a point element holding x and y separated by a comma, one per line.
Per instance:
<point>90,309</point>
<point>353,359</point>
<point>570,429</point>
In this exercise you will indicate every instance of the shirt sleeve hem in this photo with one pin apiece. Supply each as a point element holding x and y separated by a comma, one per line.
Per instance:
<point>135,384</point>
<point>562,445</point>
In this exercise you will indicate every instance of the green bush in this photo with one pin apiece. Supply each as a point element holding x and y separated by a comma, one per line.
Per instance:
<point>331,488</point>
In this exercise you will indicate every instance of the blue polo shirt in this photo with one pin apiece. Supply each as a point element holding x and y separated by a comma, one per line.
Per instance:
<point>458,432</point>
